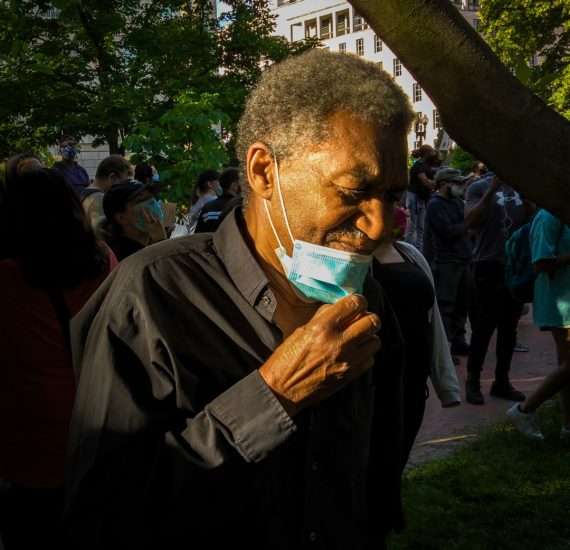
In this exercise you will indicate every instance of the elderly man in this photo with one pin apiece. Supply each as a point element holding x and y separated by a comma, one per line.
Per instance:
<point>243,387</point>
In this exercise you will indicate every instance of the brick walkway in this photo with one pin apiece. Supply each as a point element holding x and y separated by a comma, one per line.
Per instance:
<point>443,430</point>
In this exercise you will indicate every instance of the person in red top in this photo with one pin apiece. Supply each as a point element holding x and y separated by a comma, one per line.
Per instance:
<point>54,263</point>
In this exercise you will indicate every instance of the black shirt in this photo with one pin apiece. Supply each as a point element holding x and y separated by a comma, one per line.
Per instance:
<point>416,186</point>
<point>176,441</point>
<point>123,246</point>
<point>446,223</point>
<point>209,219</point>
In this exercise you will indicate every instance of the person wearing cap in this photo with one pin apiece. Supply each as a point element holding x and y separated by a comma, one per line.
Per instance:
<point>134,218</point>
<point>451,255</point>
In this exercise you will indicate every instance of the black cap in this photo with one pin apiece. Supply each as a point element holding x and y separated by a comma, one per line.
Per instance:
<point>119,195</point>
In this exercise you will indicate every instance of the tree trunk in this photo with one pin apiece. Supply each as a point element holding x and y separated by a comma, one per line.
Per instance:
<point>482,105</point>
<point>112,138</point>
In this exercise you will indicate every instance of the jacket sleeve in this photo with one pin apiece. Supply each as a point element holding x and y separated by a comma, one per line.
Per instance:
<point>443,374</point>
<point>137,399</point>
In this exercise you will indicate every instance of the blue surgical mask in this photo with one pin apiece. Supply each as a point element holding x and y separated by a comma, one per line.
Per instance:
<point>219,191</point>
<point>319,273</point>
<point>69,152</point>
<point>154,210</point>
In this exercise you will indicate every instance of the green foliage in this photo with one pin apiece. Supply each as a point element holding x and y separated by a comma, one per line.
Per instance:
<point>462,160</point>
<point>100,67</point>
<point>182,143</point>
<point>521,30</point>
<point>502,491</point>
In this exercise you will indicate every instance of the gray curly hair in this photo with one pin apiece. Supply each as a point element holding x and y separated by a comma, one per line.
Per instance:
<point>293,100</point>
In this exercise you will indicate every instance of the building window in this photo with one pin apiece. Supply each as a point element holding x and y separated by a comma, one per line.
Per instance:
<point>436,120</point>
<point>358,23</point>
<point>311,28</point>
<point>417,92</point>
<point>342,47</point>
<point>360,46</point>
<point>296,32</point>
<point>381,65</point>
<point>533,60</point>
<point>397,67</point>
<point>417,144</point>
<point>342,24</point>
<point>326,28</point>
<point>476,23</point>
<point>377,44</point>
<point>52,13</point>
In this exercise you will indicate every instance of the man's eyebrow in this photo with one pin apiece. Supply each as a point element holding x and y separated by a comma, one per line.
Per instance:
<point>357,172</point>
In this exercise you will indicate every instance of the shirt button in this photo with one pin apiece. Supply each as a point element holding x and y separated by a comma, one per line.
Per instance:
<point>313,536</point>
<point>314,466</point>
<point>266,300</point>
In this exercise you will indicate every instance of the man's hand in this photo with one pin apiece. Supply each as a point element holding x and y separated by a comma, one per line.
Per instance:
<point>336,346</point>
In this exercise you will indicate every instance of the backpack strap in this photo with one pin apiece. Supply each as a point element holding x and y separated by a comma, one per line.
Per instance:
<point>88,191</point>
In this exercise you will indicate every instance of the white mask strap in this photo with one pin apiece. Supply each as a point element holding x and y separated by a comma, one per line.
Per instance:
<point>271,223</point>
<point>281,199</point>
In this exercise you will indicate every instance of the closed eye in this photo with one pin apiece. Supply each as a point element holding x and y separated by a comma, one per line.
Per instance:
<point>354,193</point>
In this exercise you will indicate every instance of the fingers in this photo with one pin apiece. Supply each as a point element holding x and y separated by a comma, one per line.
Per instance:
<point>342,312</point>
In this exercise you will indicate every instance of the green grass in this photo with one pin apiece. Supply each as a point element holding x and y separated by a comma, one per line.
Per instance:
<point>501,491</point>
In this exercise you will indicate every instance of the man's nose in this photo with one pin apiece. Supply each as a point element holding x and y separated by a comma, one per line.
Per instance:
<point>371,220</point>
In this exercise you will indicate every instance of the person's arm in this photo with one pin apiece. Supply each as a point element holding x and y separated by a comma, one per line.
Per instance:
<point>476,213</point>
<point>443,374</point>
<point>425,181</point>
<point>551,265</point>
<point>437,217</point>
<point>132,382</point>
<point>545,232</point>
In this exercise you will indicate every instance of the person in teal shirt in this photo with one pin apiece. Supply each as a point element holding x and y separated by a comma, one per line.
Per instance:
<point>550,250</point>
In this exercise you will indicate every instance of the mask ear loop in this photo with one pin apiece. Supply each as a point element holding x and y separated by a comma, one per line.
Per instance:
<point>282,207</point>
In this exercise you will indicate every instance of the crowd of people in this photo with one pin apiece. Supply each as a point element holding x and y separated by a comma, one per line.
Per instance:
<point>257,372</point>
<point>463,223</point>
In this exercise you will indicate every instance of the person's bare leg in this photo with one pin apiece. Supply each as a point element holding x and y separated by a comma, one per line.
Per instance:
<point>557,381</point>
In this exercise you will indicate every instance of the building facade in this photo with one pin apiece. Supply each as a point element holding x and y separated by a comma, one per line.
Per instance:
<point>341,28</point>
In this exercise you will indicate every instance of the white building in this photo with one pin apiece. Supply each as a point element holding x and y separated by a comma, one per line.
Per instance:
<point>340,27</point>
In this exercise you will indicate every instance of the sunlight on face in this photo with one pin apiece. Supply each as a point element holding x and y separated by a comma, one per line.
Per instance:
<point>341,193</point>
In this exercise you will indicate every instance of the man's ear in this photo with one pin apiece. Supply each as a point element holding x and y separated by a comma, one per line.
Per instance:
<point>121,218</point>
<point>261,169</point>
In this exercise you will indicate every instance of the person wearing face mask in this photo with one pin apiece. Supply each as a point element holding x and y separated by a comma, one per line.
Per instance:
<point>207,189</point>
<point>134,218</point>
<point>68,167</point>
<point>211,213</point>
<point>244,387</point>
<point>452,249</point>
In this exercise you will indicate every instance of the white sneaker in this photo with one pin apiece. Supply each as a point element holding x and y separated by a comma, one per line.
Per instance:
<point>565,434</point>
<point>525,423</point>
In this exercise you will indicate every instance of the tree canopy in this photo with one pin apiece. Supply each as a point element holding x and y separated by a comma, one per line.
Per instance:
<point>532,37</point>
<point>99,67</point>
